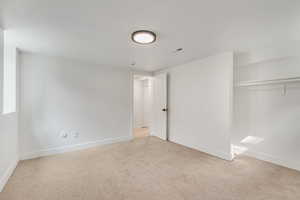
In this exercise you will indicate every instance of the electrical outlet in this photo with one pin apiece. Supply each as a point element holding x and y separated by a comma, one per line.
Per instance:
<point>63,134</point>
<point>75,134</point>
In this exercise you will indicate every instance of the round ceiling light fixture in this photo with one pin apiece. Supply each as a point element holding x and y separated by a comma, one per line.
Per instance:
<point>143,37</point>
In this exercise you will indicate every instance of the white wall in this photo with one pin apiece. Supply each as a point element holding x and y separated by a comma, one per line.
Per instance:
<point>9,75</point>
<point>268,119</point>
<point>58,94</point>
<point>9,154</point>
<point>8,134</point>
<point>200,104</point>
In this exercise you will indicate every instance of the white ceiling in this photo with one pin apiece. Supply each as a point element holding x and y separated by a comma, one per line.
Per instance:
<point>99,31</point>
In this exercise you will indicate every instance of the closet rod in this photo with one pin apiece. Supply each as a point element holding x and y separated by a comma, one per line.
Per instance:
<point>268,82</point>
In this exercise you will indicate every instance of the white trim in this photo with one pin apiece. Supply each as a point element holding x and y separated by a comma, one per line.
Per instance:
<point>132,74</point>
<point>142,73</point>
<point>217,153</point>
<point>10,170</point>
<point>292,164</point>
<point>69,148</point>
<point>213,152</point>
<point>131,114</point>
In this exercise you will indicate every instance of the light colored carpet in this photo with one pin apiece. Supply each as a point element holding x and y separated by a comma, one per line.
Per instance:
<point>149,169</point>
<point>141,132</point>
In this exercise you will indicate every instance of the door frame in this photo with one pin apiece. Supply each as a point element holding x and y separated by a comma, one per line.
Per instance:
<point>131,115</point>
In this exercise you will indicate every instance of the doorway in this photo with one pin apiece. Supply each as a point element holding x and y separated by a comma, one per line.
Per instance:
<point>142,106</point>
<point>150,108</point>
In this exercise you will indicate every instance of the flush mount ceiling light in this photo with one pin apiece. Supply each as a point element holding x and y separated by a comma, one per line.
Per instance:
<point>143,37</point>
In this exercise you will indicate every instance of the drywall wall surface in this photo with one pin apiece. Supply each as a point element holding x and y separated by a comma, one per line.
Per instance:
<point>9,154</point>
<point>1,68</point>
<point>65,103</point>
<point>200,104</point>
<point>8,134</point>
<point>267,117</point>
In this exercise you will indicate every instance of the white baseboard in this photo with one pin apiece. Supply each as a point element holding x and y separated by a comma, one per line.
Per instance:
<point>213,152</point>
<point>292,164</point>
<point>69,148</point>
<point>219,154</point>
<point>151,133</point>
<point>8,173</point>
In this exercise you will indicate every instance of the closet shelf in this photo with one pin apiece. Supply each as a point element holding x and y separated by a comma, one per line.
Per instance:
<point>268,82</point>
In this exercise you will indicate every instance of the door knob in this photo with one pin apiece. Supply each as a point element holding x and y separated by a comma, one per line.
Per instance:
<point>164,109</point>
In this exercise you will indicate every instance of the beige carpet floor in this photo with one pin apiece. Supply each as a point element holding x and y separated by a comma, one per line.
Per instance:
<point>149,169</point>
<point>141,132</point>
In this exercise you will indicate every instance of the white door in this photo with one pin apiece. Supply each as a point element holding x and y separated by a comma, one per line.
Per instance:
<point>160,107</point>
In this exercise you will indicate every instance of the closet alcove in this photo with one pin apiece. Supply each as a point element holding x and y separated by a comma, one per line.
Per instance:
<point>267,104</point>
